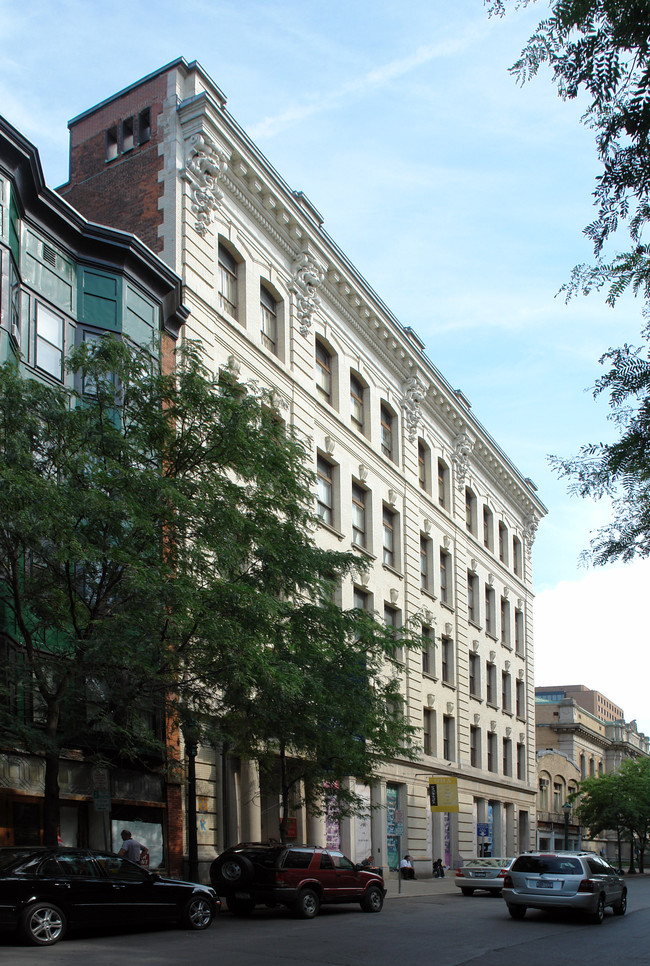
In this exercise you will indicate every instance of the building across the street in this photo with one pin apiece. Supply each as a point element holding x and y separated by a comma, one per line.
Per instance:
<point>575,742</point>
<point>407,475</point>
<point>63,280</point>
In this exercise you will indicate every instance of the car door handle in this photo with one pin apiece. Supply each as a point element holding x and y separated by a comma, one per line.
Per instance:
<point>62,885</point>
<point>116,885</point>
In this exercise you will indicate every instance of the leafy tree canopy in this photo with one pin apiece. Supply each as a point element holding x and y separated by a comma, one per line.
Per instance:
<point>157,555</point>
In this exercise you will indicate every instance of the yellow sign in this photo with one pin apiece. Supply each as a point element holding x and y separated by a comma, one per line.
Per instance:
<point>443,794</point>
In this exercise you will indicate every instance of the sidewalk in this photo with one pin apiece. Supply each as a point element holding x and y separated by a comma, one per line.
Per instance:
<point>419,887</point>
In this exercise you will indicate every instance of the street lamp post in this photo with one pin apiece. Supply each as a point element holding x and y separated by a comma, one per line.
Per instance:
<point>566,808</point>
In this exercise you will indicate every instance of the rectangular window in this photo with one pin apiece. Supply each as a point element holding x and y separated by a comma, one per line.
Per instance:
<point>359,535</point>
<point>505,621</point>
<point>443,484</point>
<point>14,303</point>
<point>356,403</point>
<point>323,373</point>
<point>325,491</point>
<point>427,730</point>
<point>517,561</point>
<point>503,543</point>
<point>475,746</point>
<point>393,620</point>
<point>492,751</point>
<point>521,762</point>
<point>127,135</point>
<point>519,631</point>
<point>507,756</point>
<point>470,510</point>
<point>428,651</point>
<point>268,320</point>
<point>490,617</point>
<point>386,432</point>
<point>505,691</point>
<point>111,143</point>
<point>445,577</point>
<point>447,660</point>
<point>521,699</point>
<point>144,126</point>
<point>389,521</point>
<point>472,598</point>
<point>426,578</point>
<point>475,675</point>
<point>488,532</point>
<point>227,282</point>
<point>49,341</point>
<point>491,684</point>
<point>448,743</point>
<point>362,599</point>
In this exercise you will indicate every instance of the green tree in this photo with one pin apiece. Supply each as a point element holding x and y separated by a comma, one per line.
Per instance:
<point>619,801</point>
<point>156,532</point>
<point>600,50</point>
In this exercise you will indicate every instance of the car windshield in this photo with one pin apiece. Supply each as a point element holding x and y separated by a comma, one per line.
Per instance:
<point>539,864</point>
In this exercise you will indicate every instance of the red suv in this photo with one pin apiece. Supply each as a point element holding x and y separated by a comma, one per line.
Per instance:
<point>301,877</point>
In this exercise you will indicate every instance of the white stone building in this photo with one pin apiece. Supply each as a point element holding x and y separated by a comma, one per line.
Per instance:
<point>407,475</point>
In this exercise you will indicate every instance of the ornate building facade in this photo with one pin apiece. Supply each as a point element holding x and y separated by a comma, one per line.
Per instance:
<point>407,476</point>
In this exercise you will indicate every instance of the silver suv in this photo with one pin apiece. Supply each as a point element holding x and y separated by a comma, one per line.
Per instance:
<point>564,880</point>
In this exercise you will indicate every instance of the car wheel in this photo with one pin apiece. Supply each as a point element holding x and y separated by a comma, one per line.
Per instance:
<point>198,913</point>
<point>230,870</point>
<point>517,912</point>
<point>620,908</point>
<point>598,916</point>
<point>43,924</point>
<point>466,891</point>
<point>373,900</point>
<point>240,907</point>
<point>308,904</point>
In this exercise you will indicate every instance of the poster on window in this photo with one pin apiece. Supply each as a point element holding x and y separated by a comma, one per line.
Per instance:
<point>363,843</point>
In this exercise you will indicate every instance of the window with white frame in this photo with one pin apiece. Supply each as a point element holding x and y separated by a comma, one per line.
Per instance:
<point>445,578</point>
<point>357,401</point>
<point>443,484</point>
<point>362,599</point>
<point>475,746</point>
<point>472,598</point>
<point>470,510</point>
<point>491,684</point>
<point>359,516</point>
<point>228,270</point>
<point>490,616</point>
<point>517,559</point>
<point>507,757</point>
<point>448,738</point>
<point>474,675</point>
<point>49,341</point>
<point>447,660</point>
<point>428,731</point>
<point>505,622</point>
<point>506,691</point>
<point>387,427</point>
<point>390,536</point>
<point>268,320</point>
<point>492,763</point>
<point>426,552</point>
<point>424,466</point>
<point>519,631</point>
<point>428,651</point>
<point>393,621</point>
<point>521,761</point>
<point>488,528</point>
<point>325,490</point>
<point>323,372</point>
<point>520,692</point>
<point>503,543</point>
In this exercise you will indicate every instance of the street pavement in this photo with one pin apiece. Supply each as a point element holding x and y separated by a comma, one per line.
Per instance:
<point>408,888</point>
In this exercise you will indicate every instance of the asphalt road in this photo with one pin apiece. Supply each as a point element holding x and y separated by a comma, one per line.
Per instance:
<point>443,930</point>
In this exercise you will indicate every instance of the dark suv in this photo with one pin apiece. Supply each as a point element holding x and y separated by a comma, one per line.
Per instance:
<point>301,877</point>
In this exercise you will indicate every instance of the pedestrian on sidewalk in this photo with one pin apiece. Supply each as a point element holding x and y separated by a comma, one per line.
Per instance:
<point>438,869</point>
<point>406,869</point>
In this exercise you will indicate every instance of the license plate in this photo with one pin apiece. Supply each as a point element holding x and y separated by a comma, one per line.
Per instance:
<point>544,884</point>
<point>480,875</point>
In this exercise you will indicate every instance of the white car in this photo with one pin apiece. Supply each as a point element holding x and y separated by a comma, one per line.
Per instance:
<point>485,873</point>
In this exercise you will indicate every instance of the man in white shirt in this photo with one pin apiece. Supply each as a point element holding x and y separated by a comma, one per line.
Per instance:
<point>131,849</point>
<point>406,869</point>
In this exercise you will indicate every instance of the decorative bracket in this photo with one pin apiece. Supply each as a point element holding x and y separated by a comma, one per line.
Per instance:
<point>205,165</point>
<point>414,391</point>
<point>307,276</point>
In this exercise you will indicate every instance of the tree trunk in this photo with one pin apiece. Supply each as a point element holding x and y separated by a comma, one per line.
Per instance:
<point>51,797</point>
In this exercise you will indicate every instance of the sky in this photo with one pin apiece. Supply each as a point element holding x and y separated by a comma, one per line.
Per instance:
<point>459,195</point>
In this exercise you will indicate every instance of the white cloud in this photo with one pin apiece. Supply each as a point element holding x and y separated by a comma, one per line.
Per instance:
<point>594,631</point>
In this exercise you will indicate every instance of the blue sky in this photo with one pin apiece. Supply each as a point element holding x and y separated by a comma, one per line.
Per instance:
<point>460,196</point>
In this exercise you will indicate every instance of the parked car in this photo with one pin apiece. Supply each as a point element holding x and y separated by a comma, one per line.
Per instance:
<point>43,891</point>
<point>564,880</point>
<point>483,873</point>
<point>300,877</point>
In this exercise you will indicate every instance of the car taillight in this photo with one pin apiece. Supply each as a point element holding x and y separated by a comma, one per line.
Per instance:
<point>587,885</point>
<point>279,878</point>
<point>507,879</point>
<point>502,874</point>
<point>460,873</point>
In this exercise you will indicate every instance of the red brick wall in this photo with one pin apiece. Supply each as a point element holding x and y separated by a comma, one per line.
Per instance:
<point>124,192</point>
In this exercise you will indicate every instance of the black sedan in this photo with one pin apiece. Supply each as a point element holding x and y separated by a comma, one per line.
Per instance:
<point>45,890</point>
